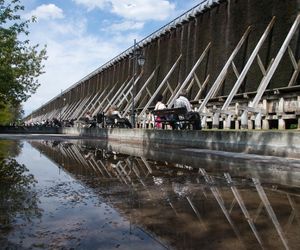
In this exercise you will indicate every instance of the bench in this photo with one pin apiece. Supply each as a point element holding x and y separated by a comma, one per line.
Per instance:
<point>115,121</point>
<point>177,118</point>
<point>84,122</point>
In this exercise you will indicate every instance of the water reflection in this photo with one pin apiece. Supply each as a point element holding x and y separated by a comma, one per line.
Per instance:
<point>188,206</point>
<point>18,199</point>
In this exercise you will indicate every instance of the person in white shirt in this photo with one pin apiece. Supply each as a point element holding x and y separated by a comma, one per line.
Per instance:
<point>159,105</point>
<point>183,102</point>
<point>114,117</point>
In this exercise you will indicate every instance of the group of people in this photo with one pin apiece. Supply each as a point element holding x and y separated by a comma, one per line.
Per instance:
<point>113,118</point>
<point>181,102</point>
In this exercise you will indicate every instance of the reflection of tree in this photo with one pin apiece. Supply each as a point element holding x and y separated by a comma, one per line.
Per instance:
<point>9,148</point>
<point>17,199</point>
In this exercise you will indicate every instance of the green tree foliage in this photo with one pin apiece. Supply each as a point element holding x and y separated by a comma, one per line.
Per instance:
<point>9,112</point>
<point>20,62</point>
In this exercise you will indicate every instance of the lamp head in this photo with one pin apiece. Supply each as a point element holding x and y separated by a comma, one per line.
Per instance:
<point>141,60</point>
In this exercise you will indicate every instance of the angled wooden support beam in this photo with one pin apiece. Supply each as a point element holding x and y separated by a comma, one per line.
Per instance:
<point>63,111</point>
<point>267,78</point>
<point>119,92</point>
<point>190,75</point>
<point>104,167</point>
<point>66,110</point>
<point>129,91</point>
<point>94,163</point>
<point>242,205</point>
<point>160,86</point>
<point>294,213</point>
<point>220,79</point>
<point>91,104</point>
<point>296,66</point>
<point>71,112</point>
<point>173,93</point>
<point>87,105</point>
<point>51,114</point>
<point>139,94</point>
<point>99,102</point>
<point>217,195</point>
<point>147,165</point>
<point>56,113</point>
<point>197,213</point>
<point>250,61</point>
<point>202,87</point>
<point>70,109</point>
<point>124,90</point>
<point>262,87</point>
<point>270,211</point>
<point>80,107</point>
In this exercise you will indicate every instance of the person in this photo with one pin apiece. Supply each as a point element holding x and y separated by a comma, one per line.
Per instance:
<point>99,117</point>
<point>114,118</point>
<point>192,116</point>
<point>158,106</point>
<point>90,120</point>
<point>113,112</point>
<point>88,116</point>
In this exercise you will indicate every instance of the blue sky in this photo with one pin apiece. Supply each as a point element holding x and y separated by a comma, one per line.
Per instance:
<point>81,35</point>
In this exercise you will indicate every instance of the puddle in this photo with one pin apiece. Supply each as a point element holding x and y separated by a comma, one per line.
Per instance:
<point>84,195</point>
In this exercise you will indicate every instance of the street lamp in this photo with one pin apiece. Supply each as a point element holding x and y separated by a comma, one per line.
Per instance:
<point>139,60</point>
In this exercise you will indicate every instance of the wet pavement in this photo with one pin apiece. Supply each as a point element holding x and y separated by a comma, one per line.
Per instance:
<point>83,194</point>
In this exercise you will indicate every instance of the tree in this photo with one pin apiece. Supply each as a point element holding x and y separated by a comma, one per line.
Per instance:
<point>20,62</point>
<point>10,112</point>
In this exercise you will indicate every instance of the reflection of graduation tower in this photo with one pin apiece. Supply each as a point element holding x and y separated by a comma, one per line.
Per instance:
<point>187,206</point>
<point>238,59</point>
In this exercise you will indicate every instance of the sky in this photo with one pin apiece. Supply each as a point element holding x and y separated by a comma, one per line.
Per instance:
<point>82,35</point>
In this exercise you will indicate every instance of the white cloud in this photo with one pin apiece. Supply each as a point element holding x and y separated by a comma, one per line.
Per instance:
<point>75,47</point>
<point>75,27</point>
<point>67,63</point>
<point>125,41</point>
<point>140,10</point>
<point>47,11</point>
<point>125,26</point>
<point>92,4</point>
<point>70,57</point>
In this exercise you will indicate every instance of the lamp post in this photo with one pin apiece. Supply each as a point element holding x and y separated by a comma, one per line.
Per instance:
<point>138,60</point>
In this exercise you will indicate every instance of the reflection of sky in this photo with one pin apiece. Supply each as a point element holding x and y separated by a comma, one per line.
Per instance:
<point>95,204</point>
<point>73,216</point>
<point>41,167</point>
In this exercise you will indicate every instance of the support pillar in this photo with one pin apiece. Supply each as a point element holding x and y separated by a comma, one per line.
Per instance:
<point>280,112</point>
<point>250,122</point>
<point>265,124</point>
<point>281,123</point>
<point>203,121</point>
<point>257,121</point>
<point>244,120</point>
<point>298,105</point>
<point>216,120</point>
<point>237,124</point>
<point>227,122</point>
